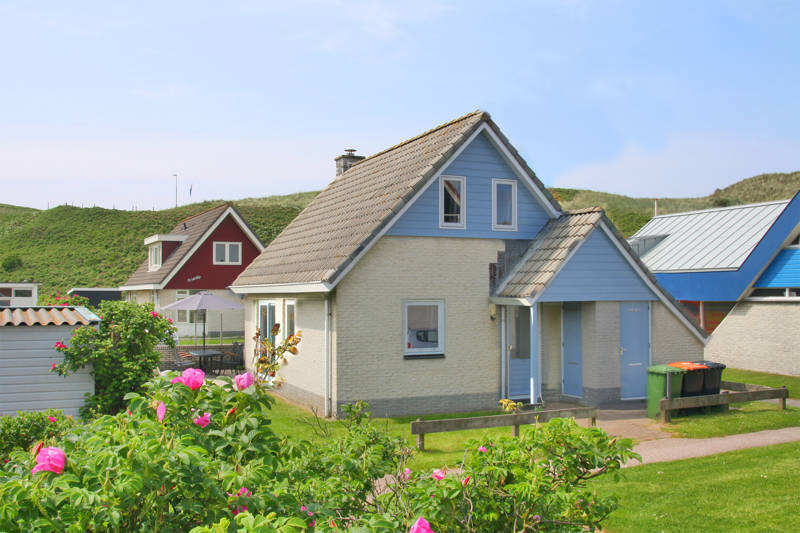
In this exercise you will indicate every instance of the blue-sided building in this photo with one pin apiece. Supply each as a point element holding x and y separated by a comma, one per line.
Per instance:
<point>737,270</point>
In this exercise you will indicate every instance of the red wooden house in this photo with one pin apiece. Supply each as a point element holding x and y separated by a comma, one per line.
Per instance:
<point>204,252</point>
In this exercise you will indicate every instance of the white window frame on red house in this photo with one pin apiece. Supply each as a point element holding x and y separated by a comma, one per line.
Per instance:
<point>226,260</point>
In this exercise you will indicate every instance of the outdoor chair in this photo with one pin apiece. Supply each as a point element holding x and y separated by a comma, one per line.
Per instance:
<point>182,360</point>
<point>233,360</point>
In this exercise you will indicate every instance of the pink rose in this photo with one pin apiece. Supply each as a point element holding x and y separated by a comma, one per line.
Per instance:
<point>482,449</point>
<point>243,380</point>
<point>50,460</point>
<point>421,526</point>
<point>52,419</point>
<point>406,475</point>
<point>438,474</point>
<point>161,410</point>
<point>203,421</point>
<point>242,492</point>
<point>465,481</point>
<point>191,377</point>
<point>169,320</point>
<point>153,313</point>
<point>52,367</point>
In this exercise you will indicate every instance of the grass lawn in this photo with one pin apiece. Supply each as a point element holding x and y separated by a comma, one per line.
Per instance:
<point>742,491</point>
<point>440,448</point>
<point>762,378</point>
<point>742,418</point>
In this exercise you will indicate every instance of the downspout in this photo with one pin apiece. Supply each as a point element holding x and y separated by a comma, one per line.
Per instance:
<point>534,347</point>
<point>327,356</point>
<point>503,352</point>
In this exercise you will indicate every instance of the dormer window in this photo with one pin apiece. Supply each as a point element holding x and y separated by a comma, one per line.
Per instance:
<point>227,253</point>
<point>155,256</point>
<point>452,202</point>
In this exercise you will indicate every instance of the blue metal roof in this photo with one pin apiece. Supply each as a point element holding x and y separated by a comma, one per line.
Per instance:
<point>730,285</point>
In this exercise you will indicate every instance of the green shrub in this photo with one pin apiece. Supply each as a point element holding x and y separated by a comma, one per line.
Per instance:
<point>12,262</point>
<point>64,300</point>
<point>121,350</point>
<point>21,432</point>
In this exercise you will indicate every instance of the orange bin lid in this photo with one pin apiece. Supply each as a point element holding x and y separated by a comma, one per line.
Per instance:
<point>686,365</point>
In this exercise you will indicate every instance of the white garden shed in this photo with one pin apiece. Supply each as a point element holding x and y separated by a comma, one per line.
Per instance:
<point>27,352</point>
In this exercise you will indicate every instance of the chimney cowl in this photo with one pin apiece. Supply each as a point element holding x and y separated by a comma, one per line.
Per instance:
<point>346,160</point>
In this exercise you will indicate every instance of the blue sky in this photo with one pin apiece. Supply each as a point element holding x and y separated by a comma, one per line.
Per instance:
<point>103,102</point>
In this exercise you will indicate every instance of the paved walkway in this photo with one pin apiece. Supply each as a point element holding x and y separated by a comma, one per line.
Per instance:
<point>655,451</point>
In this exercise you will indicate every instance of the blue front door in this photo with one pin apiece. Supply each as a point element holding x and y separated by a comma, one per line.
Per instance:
<point>634,347</point>
<point>572,349</point>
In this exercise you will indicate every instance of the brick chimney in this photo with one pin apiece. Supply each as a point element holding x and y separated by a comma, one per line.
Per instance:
<point>346,160</point>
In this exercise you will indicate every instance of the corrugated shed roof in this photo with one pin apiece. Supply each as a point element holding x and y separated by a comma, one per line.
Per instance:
<point>713,239</point>
<point>343,219</point>
<point>549,252</point>
<point>196,226</point>
<point>46,316</point>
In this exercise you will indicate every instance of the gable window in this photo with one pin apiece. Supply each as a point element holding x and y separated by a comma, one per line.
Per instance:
<point>452,202</point>
<point>266,320</point>
<point>288,319</point>
<point>504,205</point>
<point>423,328</point>
<point>227,253</point>
<point>154,256</point>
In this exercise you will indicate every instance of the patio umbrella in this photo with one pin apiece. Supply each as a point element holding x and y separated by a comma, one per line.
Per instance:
<point>204,301</point>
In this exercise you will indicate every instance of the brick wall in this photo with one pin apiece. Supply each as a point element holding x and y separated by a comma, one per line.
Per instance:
<point>671,339</point>
<point>370,336</point>
<point>761,336</point>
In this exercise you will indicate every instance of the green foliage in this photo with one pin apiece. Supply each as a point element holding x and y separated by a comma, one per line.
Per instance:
<point>65,300</point>
<point>268,357</point>
<point>741,418</point>
<point>121,350</point>
<point>12,262</point>
<point>27,428</point>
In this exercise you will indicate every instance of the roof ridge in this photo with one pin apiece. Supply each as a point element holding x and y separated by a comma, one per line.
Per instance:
<point>725,208</point>
<point>203,212</point>
<point>423,134</point>
<point>583,211</point>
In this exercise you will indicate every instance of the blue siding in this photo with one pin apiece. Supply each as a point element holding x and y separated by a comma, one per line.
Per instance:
<point>597,272</point>
<point>479,162</point>
<point>784,271</point>
<point>729,286</point>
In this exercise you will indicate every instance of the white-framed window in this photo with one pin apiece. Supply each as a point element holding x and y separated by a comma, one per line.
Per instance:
<point>227,253</point>
<point>504,205</point>
<point>289,318</point>
<point>185,316</point>
<point>266,319</point>
<point>423,328</point>
<point>23,293</point>
<point>453,202</point>
<point>154,255</point>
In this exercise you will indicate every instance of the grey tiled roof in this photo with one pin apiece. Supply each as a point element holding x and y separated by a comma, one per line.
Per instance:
<point>342,220</point>
<point>195,227</point>
<point>549,251</point>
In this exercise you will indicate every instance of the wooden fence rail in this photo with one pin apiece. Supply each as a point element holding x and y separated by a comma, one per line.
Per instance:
<point>740,392</point>
<point>420,427</point>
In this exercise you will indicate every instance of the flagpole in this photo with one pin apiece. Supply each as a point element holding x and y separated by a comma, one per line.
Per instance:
<point>176,190</point>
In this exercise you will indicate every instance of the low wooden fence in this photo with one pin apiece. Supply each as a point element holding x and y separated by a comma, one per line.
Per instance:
<point>421,427</point>
<point>733,393</point>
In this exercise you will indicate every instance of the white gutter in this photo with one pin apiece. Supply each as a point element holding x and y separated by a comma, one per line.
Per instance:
<point>327,356</point>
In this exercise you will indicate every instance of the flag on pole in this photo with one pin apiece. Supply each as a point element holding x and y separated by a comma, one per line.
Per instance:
<point>190,190</point>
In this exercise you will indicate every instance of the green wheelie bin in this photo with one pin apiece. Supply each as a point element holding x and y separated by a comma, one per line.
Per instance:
<point>657,386</point>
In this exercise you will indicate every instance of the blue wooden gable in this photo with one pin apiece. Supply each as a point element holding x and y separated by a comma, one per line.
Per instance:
<point>597,272</point>
<point>479,162</point>
<point>784,271</point>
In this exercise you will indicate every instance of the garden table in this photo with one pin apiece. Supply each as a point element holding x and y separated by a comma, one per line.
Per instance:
<point>207,358</point>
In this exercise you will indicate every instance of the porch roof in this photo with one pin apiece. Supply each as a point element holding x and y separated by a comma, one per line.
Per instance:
<point>549,252</point>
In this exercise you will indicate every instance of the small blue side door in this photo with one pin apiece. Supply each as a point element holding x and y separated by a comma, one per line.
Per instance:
<point>634,348</point>
<point>572,349</point>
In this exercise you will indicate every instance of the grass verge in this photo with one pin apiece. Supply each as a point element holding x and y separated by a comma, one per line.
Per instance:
<point>742,418</point>
<point>792,383</point>
<point>751,490</point>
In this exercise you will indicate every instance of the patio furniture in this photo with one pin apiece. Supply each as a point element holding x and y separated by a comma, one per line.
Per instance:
<point>207,360</point>
<point>182,360</point>
<point>233,360</point>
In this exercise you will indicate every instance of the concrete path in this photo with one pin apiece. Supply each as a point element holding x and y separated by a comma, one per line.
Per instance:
<point>655,451</point>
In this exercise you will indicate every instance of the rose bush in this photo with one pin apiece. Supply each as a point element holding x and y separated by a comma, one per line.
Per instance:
<point>121,351</point>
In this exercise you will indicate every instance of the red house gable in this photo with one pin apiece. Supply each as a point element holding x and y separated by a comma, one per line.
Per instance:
<point>200,272</point>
